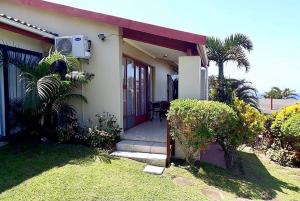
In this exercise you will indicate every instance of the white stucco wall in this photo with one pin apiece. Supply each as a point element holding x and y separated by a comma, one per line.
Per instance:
<point>189,77</point>
<point>16,40</point>
<point>103,93</point>
<point>161,70</point>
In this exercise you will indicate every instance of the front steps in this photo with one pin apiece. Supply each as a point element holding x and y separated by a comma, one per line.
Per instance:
<point>142,146</point>
<point>148,158</point>
<point>149,152</point>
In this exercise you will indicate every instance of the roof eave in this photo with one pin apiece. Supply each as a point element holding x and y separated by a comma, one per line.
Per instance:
<point>116,21</point>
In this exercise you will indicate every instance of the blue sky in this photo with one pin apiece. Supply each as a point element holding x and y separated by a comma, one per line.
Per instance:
<point>272,25</point>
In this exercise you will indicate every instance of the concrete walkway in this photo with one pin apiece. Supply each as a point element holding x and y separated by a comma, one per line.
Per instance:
<point>154,131</point>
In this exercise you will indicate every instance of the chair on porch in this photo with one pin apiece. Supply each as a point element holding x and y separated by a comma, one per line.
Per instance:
<point>159,108</point>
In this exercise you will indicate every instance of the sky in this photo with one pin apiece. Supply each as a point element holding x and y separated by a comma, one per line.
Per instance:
<point>272,25</point>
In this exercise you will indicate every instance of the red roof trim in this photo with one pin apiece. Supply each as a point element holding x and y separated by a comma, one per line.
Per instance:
<point>117,21</point>
<point>159,40</point>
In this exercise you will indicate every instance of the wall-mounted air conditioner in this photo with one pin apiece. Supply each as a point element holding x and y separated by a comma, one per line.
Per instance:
<point>78,46</point>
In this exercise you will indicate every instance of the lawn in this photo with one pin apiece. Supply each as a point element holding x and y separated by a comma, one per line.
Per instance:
<point>73,172</point>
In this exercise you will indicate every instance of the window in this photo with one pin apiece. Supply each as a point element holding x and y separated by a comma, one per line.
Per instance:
<point>12,88</point>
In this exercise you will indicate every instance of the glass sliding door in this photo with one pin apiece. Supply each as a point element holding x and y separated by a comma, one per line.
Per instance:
<point>2,108</point>
<point>130,94</point>
<point>135,92</point>
<point>12,89</point>
<point>141,92</point>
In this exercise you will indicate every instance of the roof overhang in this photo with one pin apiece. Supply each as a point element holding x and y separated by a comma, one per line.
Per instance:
<point>25,32</point>
<point>190,43</point>
<point>117,21</point>
<point>14,25</point>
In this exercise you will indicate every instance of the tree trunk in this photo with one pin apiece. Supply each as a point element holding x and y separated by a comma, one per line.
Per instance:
<point>229,159</point>
<point>221,78</point>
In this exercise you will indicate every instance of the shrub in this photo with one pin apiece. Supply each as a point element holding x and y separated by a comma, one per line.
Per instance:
<point>265,139</point>
<point>291,127</point>
<point>196,123</point>
<point>68,127</point>
<point>105,134</point>
<point>282,116</point>
<point>282,156</point>
<point>291,131</point>
<point>251,122</point>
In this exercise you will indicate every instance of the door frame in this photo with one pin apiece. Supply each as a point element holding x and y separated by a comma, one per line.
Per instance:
<point>142,118</point>
<point>5,49</point>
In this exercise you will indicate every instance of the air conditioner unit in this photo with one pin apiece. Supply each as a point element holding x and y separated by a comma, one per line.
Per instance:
<point>78,46</point>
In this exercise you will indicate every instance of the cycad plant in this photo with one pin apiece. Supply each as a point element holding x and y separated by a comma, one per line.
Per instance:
<point>50,86</point>
<point>241,89</point>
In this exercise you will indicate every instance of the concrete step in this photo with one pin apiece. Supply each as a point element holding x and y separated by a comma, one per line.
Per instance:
<point>154,137</point>
<point>142,146</point>
<point>149,158</point>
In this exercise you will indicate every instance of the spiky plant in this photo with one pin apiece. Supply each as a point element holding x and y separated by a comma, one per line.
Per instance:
<point>232,48</point>
<point>241,89</point>
<point>50,85</point>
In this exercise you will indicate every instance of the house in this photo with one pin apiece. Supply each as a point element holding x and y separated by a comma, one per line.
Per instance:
<point>268,106</point>
<point>134,64</point>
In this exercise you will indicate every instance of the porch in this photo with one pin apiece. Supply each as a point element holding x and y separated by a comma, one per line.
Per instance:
<point>149,131</point>
<point>146,142</point>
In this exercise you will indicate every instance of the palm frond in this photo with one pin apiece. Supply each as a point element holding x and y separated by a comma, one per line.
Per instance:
<point>48,87</point>
<point>215,49</point>
<point>68,97</point>
<point>72,62</point>
<point>79,77</point>
<point>239,40</point>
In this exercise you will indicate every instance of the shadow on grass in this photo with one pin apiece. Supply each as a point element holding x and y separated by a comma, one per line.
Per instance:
<point>256,183</point>
<point>25,161</point>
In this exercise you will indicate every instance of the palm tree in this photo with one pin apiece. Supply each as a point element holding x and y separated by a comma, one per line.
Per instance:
<point>231,49</point>
<point>277,93</point>
<point>50,85</point>
<point>241,89</point>
<point>288,93</point>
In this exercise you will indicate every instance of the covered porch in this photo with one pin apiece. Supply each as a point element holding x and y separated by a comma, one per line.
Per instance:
<point>159,67</point>
<point>149,131</point>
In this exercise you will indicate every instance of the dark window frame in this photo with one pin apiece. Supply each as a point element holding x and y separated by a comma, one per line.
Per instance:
<point>5,49</point>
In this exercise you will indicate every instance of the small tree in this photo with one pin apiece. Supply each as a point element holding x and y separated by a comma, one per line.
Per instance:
<point>231,48</point>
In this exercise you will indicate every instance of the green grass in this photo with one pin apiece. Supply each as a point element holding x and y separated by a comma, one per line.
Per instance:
<point>73,172</point>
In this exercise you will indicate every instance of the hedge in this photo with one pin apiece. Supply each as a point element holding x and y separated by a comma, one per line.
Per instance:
<point>194,123</point>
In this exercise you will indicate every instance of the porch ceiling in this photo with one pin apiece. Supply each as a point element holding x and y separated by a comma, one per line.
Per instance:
<point>157,52</point>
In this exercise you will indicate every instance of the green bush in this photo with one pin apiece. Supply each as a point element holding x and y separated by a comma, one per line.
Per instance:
<point>105,134</point>
<point>291,131</point>
<point>194,124</point>
<point>251,122</point>
<point>282,156</point>
<point>282,116</point>
<point>291,127</point>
